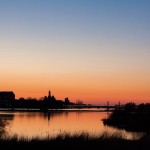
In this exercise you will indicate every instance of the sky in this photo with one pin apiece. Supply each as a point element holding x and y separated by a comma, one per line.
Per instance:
<point>90,50</point>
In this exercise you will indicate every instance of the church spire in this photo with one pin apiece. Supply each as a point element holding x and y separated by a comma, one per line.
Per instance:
<point>49,94</point>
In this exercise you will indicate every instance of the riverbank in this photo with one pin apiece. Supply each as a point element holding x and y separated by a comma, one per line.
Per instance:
<point>131,118</point>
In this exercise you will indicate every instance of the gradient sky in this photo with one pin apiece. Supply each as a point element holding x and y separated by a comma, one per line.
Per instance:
<point>92,50</point>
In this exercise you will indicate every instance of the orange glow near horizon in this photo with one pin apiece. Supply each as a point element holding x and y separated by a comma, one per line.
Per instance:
<point>89,89</point>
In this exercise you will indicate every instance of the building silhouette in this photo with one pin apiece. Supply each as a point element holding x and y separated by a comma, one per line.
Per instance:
<point>6,98</point>
<point>49,94</point>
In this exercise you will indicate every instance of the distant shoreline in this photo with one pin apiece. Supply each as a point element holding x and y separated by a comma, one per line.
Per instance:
<point>55,110</point>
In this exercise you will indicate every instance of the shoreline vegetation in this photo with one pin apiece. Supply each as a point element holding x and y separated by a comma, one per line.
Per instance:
<point>77,141</point>
<point>131,118</point>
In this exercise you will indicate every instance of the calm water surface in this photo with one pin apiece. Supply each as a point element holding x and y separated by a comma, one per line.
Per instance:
<point>33,124</point>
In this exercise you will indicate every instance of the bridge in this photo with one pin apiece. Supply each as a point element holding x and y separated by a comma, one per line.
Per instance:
<point>96,106</point>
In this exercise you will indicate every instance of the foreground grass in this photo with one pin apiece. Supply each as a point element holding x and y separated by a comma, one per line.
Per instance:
<point>76,141</point>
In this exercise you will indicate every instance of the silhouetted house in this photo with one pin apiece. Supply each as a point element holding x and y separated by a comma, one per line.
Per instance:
<point>6,98</point>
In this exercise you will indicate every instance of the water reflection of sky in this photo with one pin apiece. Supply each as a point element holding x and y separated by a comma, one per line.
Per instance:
<point>43,124</point>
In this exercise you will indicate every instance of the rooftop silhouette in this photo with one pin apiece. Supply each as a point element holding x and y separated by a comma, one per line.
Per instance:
<point>7,100</point>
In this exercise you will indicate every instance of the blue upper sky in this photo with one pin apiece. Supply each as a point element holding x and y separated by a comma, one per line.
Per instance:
<point>75,36</point>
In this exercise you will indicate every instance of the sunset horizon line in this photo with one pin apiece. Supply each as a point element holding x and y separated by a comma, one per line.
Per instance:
<point>113,101</point>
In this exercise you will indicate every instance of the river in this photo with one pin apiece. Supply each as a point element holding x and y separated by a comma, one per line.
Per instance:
<point>52,123</point>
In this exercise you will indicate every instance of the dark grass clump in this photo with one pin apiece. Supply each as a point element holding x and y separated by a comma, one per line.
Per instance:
<point>76,141</point>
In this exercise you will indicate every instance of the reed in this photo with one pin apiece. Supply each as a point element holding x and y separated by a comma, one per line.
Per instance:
<point>76,141</point>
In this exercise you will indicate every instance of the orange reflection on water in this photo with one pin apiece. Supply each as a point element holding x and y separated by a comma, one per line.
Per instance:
<point>39,124</point>
<point>54,123</point>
